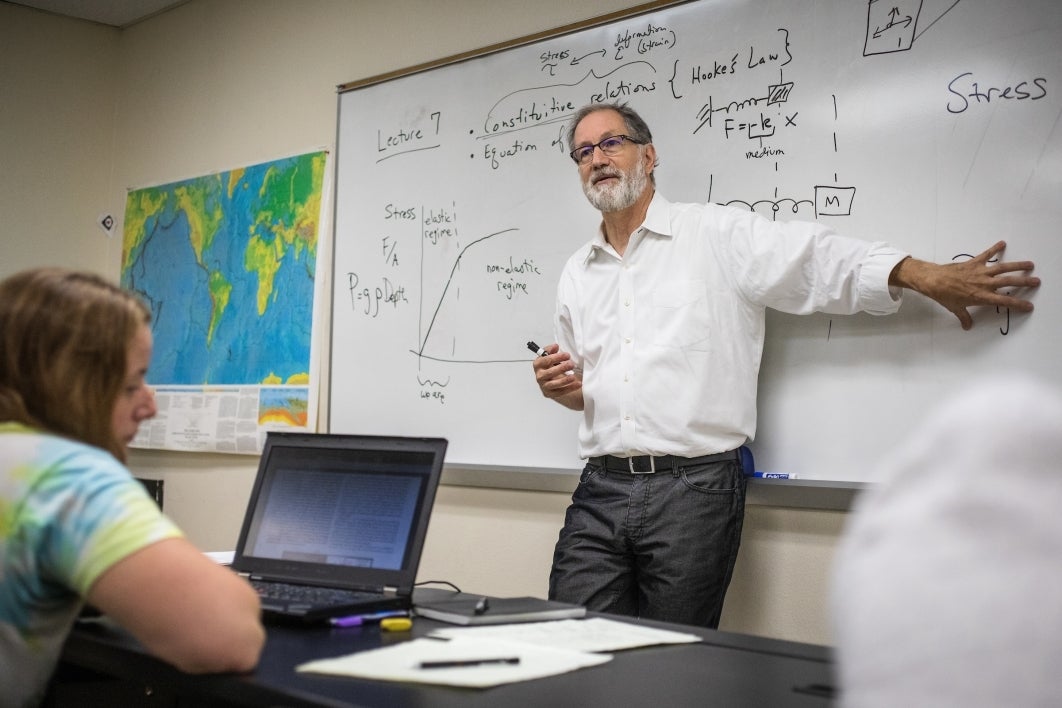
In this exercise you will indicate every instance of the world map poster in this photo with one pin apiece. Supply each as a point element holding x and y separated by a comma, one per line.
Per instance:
<point>227,263</point>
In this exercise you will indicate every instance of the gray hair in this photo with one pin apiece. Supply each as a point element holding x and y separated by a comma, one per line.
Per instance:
<point>637,128</point>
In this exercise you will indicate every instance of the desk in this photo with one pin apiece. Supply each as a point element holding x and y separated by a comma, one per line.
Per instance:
<point>725,670</point>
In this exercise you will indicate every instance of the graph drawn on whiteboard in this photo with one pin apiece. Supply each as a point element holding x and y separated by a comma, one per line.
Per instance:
<point>448,281</point>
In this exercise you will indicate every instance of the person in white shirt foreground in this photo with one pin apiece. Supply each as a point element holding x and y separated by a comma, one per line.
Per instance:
<point>947,587</point>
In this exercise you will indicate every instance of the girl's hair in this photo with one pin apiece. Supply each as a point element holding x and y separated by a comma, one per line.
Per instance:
<point>64,344</point>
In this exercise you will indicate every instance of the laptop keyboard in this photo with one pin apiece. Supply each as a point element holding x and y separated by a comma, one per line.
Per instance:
<point>308,594</point>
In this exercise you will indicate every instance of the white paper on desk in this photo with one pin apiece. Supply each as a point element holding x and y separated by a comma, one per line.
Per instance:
<point>220,557</point>
<point>593,634</point>
<point>401,662</point>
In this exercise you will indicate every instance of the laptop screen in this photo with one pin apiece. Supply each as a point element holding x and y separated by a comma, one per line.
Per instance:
<point>341,512</point>
<point>338,509</point>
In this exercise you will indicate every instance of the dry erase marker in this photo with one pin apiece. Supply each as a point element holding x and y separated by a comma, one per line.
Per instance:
<point>352,621</point>
<point>773,475</point>
<point>542,352</point>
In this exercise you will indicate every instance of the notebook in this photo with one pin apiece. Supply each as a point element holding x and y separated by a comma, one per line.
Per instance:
<point>336,523</point>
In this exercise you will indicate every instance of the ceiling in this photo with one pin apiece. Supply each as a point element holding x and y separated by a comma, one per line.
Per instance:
<point>116,13</point>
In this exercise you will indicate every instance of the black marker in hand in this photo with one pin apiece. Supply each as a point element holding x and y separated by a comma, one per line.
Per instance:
<point>536,349</point>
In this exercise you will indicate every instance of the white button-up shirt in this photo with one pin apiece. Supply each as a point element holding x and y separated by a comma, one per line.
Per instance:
<point>670,335</point>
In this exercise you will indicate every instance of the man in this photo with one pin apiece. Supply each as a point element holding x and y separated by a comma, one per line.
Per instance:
<point>660,324</point>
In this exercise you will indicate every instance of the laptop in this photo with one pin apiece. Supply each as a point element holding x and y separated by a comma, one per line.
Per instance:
<point>335,525</point>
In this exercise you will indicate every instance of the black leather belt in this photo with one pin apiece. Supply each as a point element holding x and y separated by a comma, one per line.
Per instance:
<point>647,464</point>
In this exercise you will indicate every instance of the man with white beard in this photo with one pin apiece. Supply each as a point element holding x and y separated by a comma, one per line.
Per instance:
<point>659,326</point>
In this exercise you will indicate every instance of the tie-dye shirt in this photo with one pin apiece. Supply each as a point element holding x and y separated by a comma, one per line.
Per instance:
<point>68,512</point>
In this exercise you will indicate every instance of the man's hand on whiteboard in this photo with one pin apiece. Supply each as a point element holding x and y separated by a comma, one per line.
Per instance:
<point>558,378</point>
<point>977,281</point>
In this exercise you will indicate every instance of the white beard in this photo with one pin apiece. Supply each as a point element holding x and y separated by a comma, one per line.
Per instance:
<point>619,195</point>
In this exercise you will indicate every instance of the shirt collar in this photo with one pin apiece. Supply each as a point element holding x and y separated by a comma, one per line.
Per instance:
<point>658,216</point>
<point>657,220</point>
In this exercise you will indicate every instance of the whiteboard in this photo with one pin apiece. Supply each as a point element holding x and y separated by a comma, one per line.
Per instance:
<point>934,126</point>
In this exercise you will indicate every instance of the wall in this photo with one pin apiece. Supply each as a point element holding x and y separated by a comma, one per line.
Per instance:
<point>58,92</point>
<point>87,112</point>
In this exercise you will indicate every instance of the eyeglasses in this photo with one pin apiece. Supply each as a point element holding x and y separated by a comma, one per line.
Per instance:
<point>610,146</point>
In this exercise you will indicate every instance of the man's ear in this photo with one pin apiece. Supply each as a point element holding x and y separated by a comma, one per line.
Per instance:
<point>650,156</point>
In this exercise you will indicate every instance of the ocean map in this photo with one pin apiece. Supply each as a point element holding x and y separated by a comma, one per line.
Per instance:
<point>227,264</point>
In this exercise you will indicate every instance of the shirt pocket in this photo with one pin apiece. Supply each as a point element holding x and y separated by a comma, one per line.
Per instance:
<point>679,315</point>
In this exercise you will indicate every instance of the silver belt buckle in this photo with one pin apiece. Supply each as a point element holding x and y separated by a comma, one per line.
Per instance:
<point>652,466</point>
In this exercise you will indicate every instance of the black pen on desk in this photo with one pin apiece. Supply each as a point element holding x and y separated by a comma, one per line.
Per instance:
<point>536,349</point>
<point>461,663</point>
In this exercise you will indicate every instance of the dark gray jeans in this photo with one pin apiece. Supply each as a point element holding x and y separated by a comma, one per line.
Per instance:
<point>658,546</point>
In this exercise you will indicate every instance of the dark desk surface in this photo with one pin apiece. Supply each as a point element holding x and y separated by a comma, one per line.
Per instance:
<point>725,669</point>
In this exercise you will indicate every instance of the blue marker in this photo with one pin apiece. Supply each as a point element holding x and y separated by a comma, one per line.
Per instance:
<point>773,475</point>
